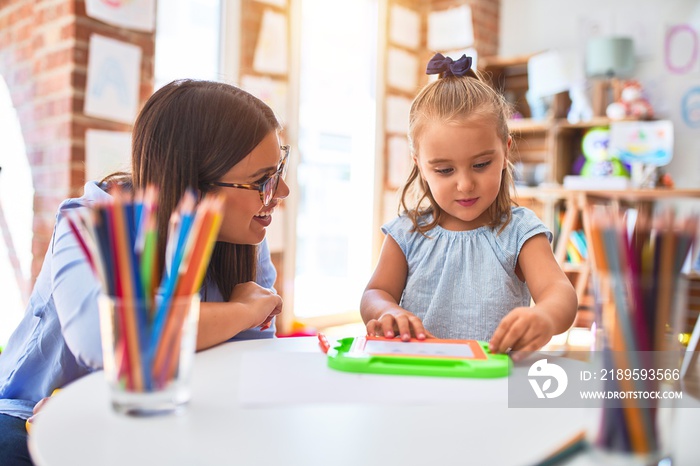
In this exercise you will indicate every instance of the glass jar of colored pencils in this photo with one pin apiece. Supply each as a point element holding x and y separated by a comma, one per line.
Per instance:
<point>148,351</point>
<point>638,357</point>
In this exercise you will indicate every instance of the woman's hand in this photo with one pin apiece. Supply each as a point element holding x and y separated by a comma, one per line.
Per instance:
<point>398,322</point>
<point>262,304</point>
<point>522,329</point>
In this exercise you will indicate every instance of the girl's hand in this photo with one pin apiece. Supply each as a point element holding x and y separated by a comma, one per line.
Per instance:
<point>522,329</point>
<point>398,322</point>
<point>262,304</point>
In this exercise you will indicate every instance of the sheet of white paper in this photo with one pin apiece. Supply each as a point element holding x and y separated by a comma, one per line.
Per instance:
<point>106,152</point>
<point>402,69</point>
<point>450,29</point>
<point>134,14</point>
<point>642,141</point>
<point>397,110</point>
<point>307,379</point>
<point>271,49</point>
<point>113,79</point>
<point>399,165</point>
<point>404,27</point>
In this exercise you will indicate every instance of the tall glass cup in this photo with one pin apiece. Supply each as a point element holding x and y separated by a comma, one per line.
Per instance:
<point>639,383</point>
<point>148,354</point>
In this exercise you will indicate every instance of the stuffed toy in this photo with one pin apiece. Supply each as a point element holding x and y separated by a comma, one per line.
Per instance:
<point>632,104</point>
<point>598,161</point>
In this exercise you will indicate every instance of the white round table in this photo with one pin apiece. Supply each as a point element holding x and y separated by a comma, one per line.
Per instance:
<point>448,421</point>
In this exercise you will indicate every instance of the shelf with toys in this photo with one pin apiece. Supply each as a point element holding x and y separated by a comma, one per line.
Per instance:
<point>549,140</point>
<point>552,148</point>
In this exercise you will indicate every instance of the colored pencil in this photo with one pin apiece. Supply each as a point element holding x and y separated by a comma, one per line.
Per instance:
<point>638,270</point>
<point>119,241</point>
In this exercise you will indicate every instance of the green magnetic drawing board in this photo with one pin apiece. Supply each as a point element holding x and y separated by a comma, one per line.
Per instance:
<point>436,357</point>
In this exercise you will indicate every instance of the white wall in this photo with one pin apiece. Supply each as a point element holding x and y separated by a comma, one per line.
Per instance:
<point>530,26</point>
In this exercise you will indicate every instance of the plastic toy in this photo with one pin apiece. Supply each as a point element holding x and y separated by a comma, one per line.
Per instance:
<point>433,357</point>
<point>598,160</point>
<point>632,104</point>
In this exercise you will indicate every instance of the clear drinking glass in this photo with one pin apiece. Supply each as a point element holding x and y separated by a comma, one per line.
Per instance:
<point>632,422</point>
<point>148,351</point>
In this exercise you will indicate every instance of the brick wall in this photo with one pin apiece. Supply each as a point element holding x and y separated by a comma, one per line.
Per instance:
<point>43,59</point>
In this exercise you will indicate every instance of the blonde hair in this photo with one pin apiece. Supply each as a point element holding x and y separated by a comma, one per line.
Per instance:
<point>456,99</point>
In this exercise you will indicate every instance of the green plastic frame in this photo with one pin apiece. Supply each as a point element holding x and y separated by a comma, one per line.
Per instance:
<point>495,365</point>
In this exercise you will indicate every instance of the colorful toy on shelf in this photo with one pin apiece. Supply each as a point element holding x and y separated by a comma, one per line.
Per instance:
<point>644,146</point>
<point>631,104</point>
<point>598,161</point>
<point>666,181</point>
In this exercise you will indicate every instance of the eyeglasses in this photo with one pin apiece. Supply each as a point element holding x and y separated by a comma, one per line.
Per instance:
<point>268,187</point>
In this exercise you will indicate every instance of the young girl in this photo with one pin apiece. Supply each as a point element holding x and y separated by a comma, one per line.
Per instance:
<point>462,261</point>
<point>190,134</point>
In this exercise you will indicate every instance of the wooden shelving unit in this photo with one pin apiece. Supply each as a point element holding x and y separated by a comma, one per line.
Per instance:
<point>548,203</point>
<point>556,143</point>
<point>553,140</point>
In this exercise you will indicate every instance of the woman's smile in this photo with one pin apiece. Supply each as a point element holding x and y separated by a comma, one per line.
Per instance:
<point>264,218</point>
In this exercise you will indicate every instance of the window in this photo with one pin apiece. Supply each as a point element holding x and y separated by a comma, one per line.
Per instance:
<point>187,40</point>
<point>337,153</point>
<point>15,218</point>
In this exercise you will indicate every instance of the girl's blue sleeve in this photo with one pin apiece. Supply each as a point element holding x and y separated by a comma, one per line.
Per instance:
<point>75,291</point>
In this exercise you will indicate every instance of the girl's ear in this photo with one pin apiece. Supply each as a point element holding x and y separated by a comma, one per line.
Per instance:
<point>508,147</point>
<point>417,165</point>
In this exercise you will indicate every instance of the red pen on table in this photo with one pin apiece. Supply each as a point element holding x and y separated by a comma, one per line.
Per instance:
<point>323,343</point>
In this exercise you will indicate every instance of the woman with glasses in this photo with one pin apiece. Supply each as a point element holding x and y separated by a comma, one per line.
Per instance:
<point>206,136</point>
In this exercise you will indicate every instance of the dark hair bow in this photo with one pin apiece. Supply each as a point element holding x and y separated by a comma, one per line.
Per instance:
<point>445,66</point>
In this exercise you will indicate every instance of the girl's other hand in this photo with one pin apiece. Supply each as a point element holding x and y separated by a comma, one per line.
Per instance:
<point>261,303</point>
<point>398,322</point>
<point>522,329</point>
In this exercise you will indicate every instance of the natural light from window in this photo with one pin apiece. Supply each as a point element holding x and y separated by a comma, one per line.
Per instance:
<point>16,216</point>
<point>337,147</point>
<point>187,40</point>
<point>336,144</point>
